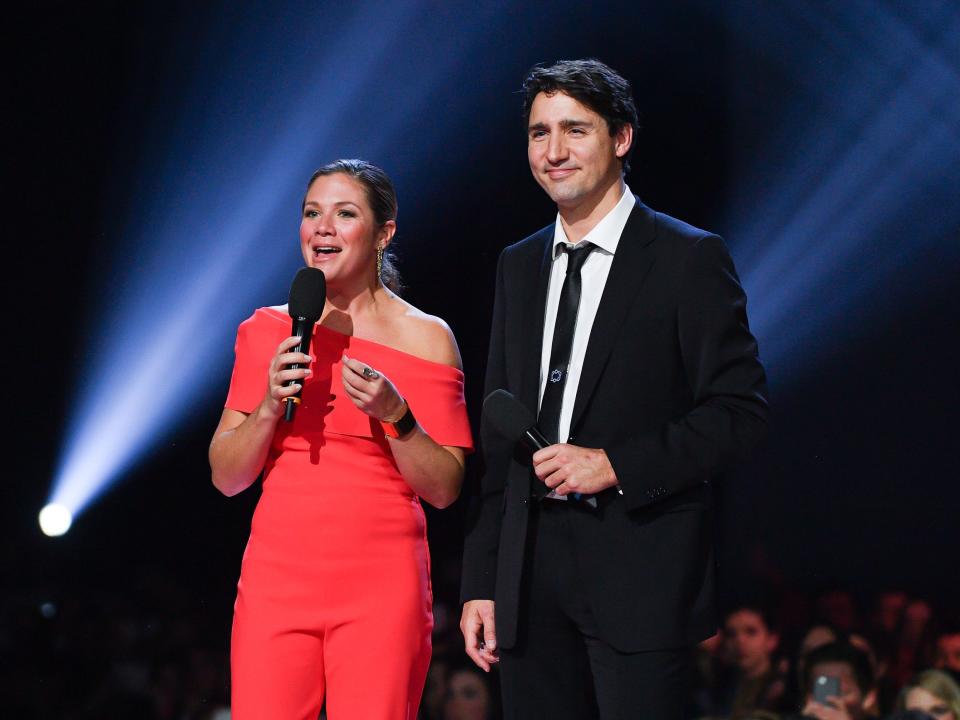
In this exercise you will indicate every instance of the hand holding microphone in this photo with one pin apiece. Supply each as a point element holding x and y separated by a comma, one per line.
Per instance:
<point>284,380</point>
<point>565,469</point>
<point>308,294</point>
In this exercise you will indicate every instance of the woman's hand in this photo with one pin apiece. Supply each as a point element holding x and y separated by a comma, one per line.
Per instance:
<point>241,441</point>
<point>280,373</point>
<point>432,471</point>
<point>371,391</point>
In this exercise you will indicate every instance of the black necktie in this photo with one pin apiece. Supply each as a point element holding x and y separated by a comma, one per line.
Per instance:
<point>549,418</point>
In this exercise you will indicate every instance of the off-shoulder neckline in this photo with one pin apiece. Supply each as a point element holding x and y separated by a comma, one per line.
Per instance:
<point>280,315</point>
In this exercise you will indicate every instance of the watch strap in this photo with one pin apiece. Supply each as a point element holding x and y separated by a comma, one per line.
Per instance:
<point>402,427</point>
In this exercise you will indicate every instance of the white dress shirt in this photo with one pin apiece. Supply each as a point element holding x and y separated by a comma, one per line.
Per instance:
<point>606,236</point>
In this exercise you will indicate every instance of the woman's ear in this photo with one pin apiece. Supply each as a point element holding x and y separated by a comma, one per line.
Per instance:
<point>386,233</point>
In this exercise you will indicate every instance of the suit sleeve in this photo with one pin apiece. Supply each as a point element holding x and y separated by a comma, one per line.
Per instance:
<point>726,380</point>
<point>485,513</point>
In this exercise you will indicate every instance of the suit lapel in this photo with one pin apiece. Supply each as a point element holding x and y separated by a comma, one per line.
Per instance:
<point>631,264</point>
<point>534,309</point>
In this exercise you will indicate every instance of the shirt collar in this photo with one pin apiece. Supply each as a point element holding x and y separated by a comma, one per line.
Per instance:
<point>606,233</point>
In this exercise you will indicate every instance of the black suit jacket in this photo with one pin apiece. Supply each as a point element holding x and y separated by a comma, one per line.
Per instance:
<point>671,389</point>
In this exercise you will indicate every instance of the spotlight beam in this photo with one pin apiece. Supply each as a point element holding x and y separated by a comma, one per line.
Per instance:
<point>210,188</point>
<point>876,144</point>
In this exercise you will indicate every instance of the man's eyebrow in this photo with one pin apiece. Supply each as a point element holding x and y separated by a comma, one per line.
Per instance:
<point>564,124</point>
<point>568,123</point>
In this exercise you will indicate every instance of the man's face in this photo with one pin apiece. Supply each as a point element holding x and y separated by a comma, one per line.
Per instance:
<point>748,641</point>
<point>571,152</point>
<point>854,699</point>
<point>948,652</point>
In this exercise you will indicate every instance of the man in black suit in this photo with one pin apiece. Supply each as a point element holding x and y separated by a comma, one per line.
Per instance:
<point>588,569</point>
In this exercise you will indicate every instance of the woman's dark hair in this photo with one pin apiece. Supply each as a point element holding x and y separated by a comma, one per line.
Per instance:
<point>382,199</point>
<point>590,83</point>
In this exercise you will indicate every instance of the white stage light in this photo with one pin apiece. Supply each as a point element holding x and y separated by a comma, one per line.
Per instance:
<point>55,520</point>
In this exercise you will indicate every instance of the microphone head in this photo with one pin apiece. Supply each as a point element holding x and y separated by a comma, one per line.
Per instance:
<point>308,293</point>
<point>507,415</point>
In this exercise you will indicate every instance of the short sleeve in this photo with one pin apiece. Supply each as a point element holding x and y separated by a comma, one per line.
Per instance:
<point>433,391</point>
<point>252,356</point>
<point>435,395</point>
<point>439,407</point>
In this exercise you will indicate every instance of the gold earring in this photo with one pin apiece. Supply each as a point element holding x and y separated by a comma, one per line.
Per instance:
<point>379,260</point>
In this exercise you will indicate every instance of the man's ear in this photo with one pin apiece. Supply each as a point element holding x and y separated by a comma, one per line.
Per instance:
<point>623,139</point>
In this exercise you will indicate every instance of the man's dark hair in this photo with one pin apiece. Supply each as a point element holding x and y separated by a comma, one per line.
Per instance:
<point>841,652</point>
<point>590,83</point>
<point>758,608</point>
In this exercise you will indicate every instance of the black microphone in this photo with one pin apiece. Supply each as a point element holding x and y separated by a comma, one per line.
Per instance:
<point>513,420</point>
<point>308,293</point>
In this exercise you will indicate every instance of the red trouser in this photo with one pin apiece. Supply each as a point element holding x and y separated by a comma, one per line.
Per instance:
<point>334,603</point>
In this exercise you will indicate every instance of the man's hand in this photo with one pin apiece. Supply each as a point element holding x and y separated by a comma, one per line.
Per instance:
<point>836,710</point>
<point>479,633</point>
<point>571,469</point>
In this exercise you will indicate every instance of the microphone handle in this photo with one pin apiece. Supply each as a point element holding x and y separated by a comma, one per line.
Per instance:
<point>534,439</point>
<point>302,328</point>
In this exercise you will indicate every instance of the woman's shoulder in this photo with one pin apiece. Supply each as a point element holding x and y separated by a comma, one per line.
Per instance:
<point>265,322</point>
<point>427,336</point>
<point>268,316</point>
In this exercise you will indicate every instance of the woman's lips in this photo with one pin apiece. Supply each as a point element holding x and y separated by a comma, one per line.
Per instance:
<point>323,255</point>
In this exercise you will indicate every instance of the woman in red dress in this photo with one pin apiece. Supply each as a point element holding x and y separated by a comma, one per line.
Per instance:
<point>334,599</point>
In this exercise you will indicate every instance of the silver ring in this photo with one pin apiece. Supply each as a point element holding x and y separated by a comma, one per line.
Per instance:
<point>370,374</point>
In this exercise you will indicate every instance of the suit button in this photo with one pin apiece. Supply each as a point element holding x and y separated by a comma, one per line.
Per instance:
<point>525,500</point>
<point>571,439</point>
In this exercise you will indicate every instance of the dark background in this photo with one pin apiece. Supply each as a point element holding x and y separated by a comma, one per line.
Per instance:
<point>857,485</point>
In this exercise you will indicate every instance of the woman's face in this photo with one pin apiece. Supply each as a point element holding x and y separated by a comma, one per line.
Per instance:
<point>920,699</point>
<point>467,697</point>
<point>338,232</point>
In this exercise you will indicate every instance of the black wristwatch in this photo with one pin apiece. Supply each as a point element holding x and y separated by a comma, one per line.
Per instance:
<point>402,427</point>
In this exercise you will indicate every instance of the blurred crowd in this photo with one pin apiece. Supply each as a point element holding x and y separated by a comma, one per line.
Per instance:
<point>155,651</point>
<point>830,658</point>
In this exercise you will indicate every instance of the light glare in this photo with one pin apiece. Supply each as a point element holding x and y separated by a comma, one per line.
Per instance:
<point>55,520</point>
